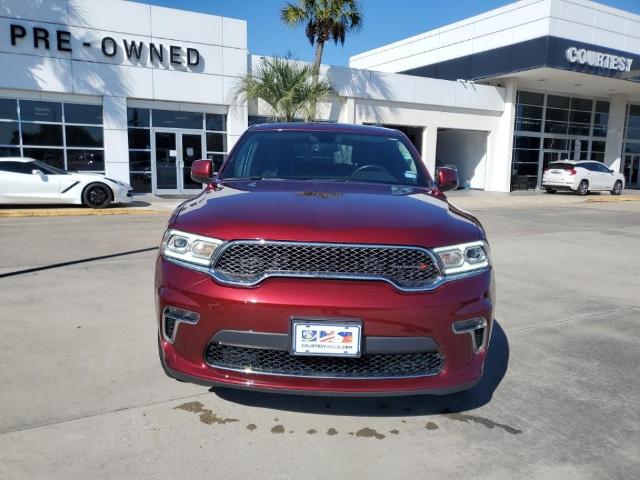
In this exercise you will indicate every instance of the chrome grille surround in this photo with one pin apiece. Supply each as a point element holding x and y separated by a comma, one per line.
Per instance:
<point>246,263</point>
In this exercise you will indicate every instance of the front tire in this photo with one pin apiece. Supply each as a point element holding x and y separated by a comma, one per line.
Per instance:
<point>617,188</point>
<point>97,195</point>
<point>583,188</point>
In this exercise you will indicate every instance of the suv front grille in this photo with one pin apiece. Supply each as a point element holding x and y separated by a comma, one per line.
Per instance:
<point>279,362</point>
<point>249,262</point>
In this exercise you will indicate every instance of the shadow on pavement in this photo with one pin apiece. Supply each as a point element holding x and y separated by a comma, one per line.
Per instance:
<point>75,262</point>
<point>495,369</point>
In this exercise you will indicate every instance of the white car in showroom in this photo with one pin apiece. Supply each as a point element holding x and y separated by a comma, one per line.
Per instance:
<point>582,177</point>
<point>27,181</point>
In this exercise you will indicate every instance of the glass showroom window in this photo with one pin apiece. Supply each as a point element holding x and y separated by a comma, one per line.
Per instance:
<point>139,131</point>
<point>631,164</point>
<point>216,127</point>
<point>565,128</point>
<point>64,135</point>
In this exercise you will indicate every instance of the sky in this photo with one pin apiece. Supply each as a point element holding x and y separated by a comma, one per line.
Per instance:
<point>384,22</point>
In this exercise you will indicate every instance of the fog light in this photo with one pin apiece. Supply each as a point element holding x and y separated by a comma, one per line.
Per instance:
<point>477,327</point>
<point>171,319</point>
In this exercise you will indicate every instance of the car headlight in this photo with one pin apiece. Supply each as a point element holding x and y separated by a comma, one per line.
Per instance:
<point>189,248</point>
<point>464,258</point>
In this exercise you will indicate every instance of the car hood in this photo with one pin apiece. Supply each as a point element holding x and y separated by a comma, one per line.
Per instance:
<point>326,212</point>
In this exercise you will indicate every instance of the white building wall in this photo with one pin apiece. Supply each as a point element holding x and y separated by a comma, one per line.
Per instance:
<point>579,20</point>
<point>221,42</point>
<point>467,149</point>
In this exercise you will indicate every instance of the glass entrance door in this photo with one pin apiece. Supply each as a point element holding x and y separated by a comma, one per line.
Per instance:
<point>631,171</point>
<point>174,153</point>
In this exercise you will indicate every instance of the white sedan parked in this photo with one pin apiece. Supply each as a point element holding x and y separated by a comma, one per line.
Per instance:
<point>582,177</point>
<point>28,181</point>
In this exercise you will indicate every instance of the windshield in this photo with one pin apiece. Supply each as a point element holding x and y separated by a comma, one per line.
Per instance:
<point>46,168</point>
<point>332,156</point>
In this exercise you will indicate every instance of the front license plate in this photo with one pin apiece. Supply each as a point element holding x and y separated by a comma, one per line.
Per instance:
<point>326,338</point>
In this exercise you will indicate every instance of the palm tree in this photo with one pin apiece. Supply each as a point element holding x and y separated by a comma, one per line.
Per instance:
<point>325,20</point>
<point>286,86</point>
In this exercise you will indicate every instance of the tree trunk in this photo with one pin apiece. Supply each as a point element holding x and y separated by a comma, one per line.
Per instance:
<point>316,74</point>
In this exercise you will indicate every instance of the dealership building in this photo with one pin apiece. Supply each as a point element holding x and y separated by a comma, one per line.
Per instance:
<point>139,92</point>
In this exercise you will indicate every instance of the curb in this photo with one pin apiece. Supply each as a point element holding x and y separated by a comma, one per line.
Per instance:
<point>77,212</point>
<point>629,198</point>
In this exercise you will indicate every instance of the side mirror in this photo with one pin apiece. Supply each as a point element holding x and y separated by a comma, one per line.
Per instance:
<point>202,171</point>
<point>447,179</point>
<point>37,172</point>
<point>610,171</point>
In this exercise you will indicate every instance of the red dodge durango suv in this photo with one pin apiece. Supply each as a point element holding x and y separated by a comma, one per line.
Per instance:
<point>324,259</point>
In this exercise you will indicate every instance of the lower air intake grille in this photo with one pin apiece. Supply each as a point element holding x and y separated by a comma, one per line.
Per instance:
<point>278,362</point>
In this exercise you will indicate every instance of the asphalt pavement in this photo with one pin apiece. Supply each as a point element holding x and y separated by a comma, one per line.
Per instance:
<point>83,394</point>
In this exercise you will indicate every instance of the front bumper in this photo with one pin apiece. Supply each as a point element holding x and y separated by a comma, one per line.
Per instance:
<point>123,195</point>
<point>384,311</point>
<point>559,185</point>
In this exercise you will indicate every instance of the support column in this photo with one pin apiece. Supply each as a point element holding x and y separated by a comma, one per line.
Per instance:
<point>615,132</point>
<point>498,176</point>
<point>116,141</point>
<point>429,144</point>
<point>350,107</point>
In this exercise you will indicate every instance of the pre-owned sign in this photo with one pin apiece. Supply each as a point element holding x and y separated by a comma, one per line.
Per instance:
<point>596,59</point>
<point>133,50</point>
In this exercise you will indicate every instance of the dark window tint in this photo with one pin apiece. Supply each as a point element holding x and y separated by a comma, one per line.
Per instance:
<point>555,144</point>
<point>598,146</point>
<point>528,111</point>
<point>9,133</point>
<point>530,156</point>
<point>530,98</point>
<point>8,109</point>
<point>50,156</point>
<point>602,107</point>
<point>15,167</point>
<point>580,117</point>
<point>85,160</point>
<point>139,161</point>
<point>217,142</point>
<point>581,104</point>
<point>528,125</point>
<point>579,129</point>
<point>558,102</point>
<point>84,136</point>
<point>555,127</point>
<point>633,133</point>
<point>527,142</point>
<point>41,134</point>
<point>139,138</point>
<point>557,114</point>
<point>77,113</point>
<point>173,119</point>
<point>36,111</point>
<point>216,122</point>
<point>140,182</point>
<point>9,152</point>
<point>525,168</point>
<point>217,159</point>
<point>138,117</point>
